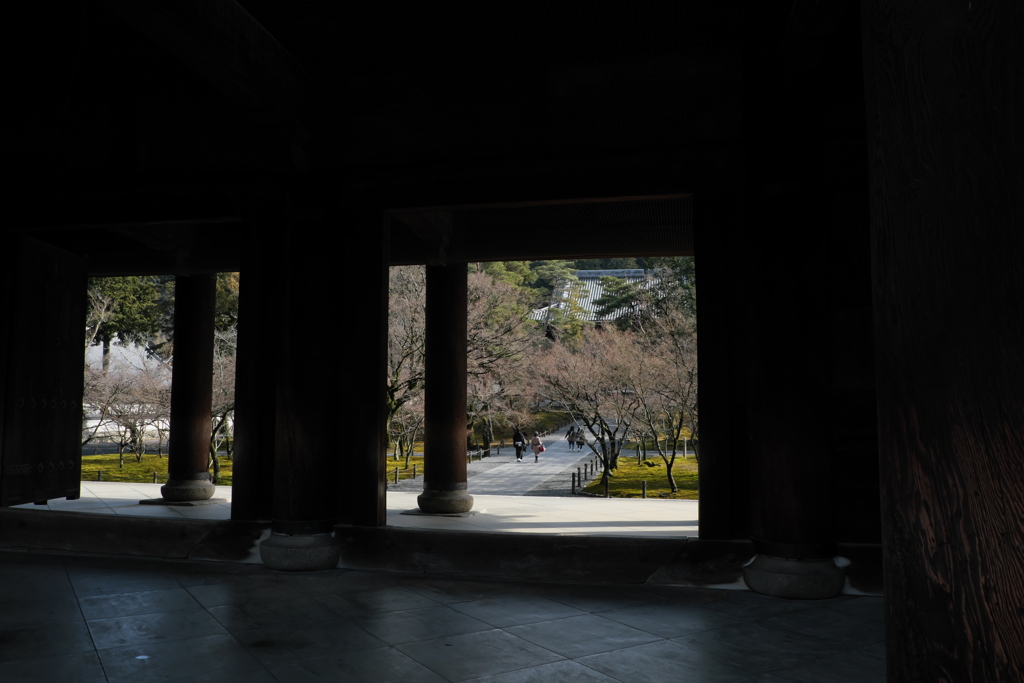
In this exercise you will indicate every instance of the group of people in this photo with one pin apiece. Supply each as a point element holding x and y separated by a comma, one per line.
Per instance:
<point>520,443</point>
<point>575,437</point>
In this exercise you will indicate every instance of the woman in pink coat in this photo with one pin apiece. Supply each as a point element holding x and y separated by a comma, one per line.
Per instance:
<point>536,444</point>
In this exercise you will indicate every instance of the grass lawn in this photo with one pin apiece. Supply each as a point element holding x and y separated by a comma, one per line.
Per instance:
<point>141,472</point>
<point>626,481</point>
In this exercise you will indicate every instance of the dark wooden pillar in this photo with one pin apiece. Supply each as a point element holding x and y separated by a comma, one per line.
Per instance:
<point>802,138</point>
<point>255,378</point>
<point>444,457</point>
<point>946,116</point>
<point>191,390</point>
<point>788,350</point>
<point>309,434</point>
<point>723,446</point>
<point>363,501</point>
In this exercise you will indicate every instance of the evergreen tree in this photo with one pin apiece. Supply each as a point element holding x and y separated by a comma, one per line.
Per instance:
<point>123,309</point>
<point>676,288</point>
<point>629,301</point>
<point>515,273</point>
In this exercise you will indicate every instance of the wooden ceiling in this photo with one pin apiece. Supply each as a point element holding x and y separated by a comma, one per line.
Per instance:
<point>160,129</point>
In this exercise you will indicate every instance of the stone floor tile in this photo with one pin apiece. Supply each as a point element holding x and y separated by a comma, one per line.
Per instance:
<point>257,613</point>
<point>108,583</point>
<point>273,645</point>
<point>143,602</point>
<point>473,655</point>
<point>665,660</point>
<point>829,625</point>
<point>240,676</point>
<point>28,612</point>
<point>385,665</point>
<point>563,672</point>
<point>594,598</point>
<point>388,599</point>
<point>513,610</point>
<point>447,591</point>
<point>867,607</point>
<point>148,628</point>
<point>28,586</point>
<point>237,590</point>
<point>78,667</point>
<point>763,648</point>
<point>671,620</point>
<point>426,623</point>
<point>217,658</point>
<point>845,667</point>
<point>582,635</point>
<point>44,640</point>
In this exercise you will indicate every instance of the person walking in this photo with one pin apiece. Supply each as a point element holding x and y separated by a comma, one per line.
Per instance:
<point>570,436</point>
<point>520,442</point>
<point>580,440</point>
<point>537,446</point>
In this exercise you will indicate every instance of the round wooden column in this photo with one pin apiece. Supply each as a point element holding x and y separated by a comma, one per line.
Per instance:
<point>191,390</point>
<point>444,481</point>
<point>792,498</point>
<point>306,440</point>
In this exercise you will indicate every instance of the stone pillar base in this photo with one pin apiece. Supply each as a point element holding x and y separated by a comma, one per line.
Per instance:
<point>434,502</point>
<point>188,489</point>
<point>794,579</point>
<point>300,553</point>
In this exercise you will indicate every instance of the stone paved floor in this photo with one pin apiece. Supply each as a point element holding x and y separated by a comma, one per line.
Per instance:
<point>96,619</point>
<point>495,514</point>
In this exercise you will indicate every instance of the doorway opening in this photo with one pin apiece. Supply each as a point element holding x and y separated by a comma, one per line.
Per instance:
<point>596,356</point>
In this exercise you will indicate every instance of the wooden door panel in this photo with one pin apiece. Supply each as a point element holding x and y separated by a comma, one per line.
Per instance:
<point>42,373</point>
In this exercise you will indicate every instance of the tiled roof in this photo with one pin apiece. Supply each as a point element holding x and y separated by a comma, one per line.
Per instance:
<point>590,289</point>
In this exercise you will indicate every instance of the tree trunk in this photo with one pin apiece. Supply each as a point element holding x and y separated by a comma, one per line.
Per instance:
<point>138,444</point>
<point>488,435</point>
<point>669,464</point>
<point>215,459</point>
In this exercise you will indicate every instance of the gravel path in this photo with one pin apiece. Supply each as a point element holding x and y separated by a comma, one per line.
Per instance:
<point>501,475</point>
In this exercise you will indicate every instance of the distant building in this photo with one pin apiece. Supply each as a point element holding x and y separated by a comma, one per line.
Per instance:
<point>577,298</point>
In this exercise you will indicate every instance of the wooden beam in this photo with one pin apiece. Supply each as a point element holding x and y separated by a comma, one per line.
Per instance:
<point>223,43</point>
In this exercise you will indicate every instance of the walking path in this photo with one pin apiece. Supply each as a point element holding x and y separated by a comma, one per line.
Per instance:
<point>509,497</point>
<point>501,475</point>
